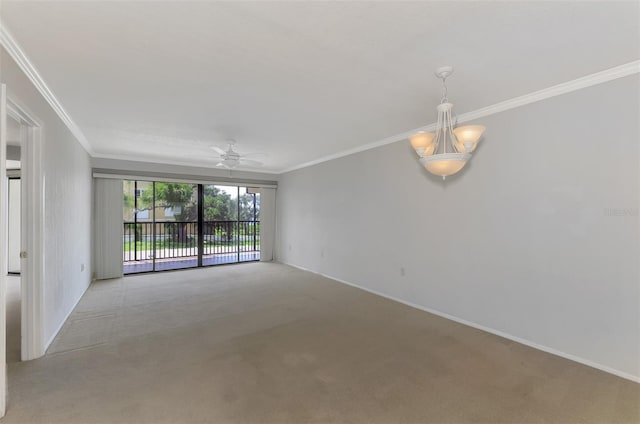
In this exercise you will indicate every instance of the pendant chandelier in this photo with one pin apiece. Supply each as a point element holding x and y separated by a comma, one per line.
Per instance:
<point>447,150</point>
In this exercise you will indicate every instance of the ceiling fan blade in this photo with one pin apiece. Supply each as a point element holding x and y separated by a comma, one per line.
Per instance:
<point>250,162</point>
<point>219,150</point>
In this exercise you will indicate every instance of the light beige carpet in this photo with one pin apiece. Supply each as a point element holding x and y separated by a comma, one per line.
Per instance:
<point>264,343</point>
<point>13,318</point>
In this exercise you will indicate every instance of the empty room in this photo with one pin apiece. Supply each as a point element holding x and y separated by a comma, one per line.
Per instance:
<point>320,211</point>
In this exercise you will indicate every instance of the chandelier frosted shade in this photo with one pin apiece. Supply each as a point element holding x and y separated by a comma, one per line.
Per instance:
<point>445,164</point>
<point>468,137</point>
<point>422,143</point>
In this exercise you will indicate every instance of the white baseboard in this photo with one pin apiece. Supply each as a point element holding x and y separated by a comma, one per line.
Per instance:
<point>520,340</point>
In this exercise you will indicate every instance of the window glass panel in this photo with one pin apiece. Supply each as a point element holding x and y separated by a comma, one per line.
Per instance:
<point>176,225</point>
<point>248,225</point>
<point>220,224</point>
<point>138,230</point>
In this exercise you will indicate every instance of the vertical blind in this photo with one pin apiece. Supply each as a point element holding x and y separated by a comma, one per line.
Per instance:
<point>267,223</point>
<point>108,228</point>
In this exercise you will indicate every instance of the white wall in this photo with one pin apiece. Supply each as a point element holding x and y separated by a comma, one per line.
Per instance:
<point>538,238</point>
<point>68,199</point>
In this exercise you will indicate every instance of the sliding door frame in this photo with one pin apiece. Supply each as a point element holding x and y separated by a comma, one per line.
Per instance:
<point>200,222</point>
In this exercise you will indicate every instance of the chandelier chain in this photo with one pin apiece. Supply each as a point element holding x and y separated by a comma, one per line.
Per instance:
<point>444,98</point>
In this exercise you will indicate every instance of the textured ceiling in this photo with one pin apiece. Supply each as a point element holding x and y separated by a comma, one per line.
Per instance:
<point>163,81</point>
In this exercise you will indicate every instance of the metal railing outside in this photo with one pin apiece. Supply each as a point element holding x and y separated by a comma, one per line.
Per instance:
<point>179,239</point>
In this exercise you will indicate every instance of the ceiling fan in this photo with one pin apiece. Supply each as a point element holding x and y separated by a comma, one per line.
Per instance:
<point>231,159</point>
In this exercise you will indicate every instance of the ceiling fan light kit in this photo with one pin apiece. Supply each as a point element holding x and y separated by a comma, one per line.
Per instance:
<point>446,151</point>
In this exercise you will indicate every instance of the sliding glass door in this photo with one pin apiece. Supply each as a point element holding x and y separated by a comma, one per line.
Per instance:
<point>231,225</point>
<point>177,225</point>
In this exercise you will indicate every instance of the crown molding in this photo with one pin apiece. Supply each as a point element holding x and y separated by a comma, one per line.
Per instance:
<point>555,90</point>
<point>536,96</point>
<point>23,62</point>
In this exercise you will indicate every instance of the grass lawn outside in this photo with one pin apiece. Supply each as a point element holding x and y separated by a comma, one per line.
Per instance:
<point>130,246</point>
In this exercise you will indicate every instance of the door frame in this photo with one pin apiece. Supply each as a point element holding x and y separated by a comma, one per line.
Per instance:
<point>4,241</point>
<point>31,230</point>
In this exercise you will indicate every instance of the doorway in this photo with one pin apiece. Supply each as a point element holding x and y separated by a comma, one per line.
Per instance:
<point>14,213</point>
<point>23,148</point>
<point>19,129</point>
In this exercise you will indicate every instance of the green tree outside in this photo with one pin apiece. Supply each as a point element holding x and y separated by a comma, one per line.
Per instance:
<point>182,199</point>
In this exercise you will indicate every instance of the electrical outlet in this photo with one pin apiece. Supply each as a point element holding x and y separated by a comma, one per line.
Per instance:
<point>81,267</point>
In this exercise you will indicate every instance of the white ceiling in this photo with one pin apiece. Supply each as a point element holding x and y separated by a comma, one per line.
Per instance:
<point>162,81</point>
